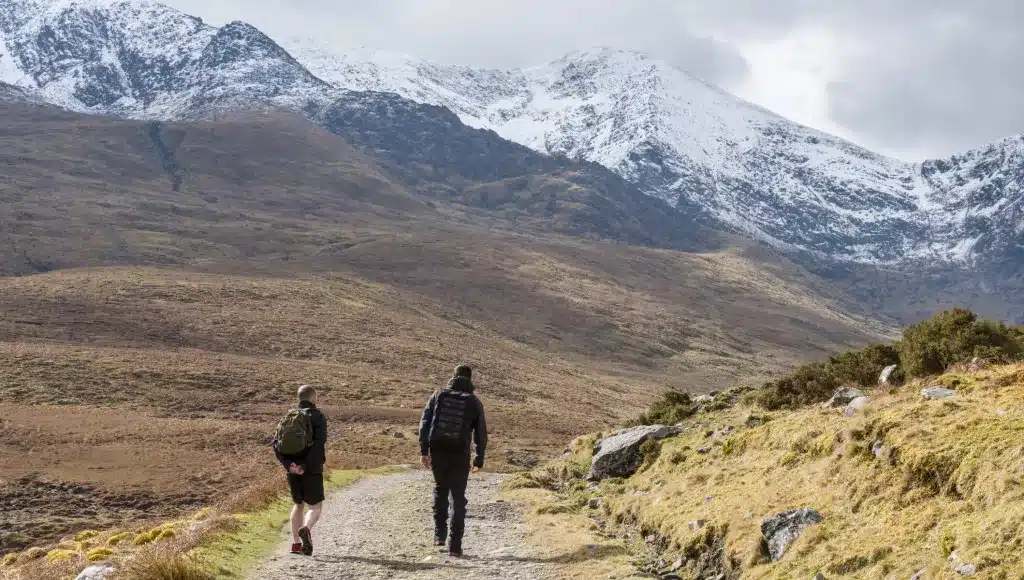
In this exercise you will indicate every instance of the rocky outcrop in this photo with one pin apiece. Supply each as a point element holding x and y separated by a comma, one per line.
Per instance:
<point>783,529</point>
<point>887,377</point>
<point>618,455</point>
<point>857,405</point>
<point>842,397</point>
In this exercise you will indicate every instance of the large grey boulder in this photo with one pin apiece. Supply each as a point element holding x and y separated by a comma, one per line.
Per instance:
<point>783,529</point>
<point>842,397</point>
<point>618,455</point>
<point>95,573</point>
<point>933,393</point>
<point>885,379</point>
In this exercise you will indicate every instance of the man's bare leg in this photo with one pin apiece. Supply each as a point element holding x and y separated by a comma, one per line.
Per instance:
<point>313,515</point>
<point>296,522</point>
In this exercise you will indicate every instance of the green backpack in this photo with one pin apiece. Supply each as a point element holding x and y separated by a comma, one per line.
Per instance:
<point>294,433</point>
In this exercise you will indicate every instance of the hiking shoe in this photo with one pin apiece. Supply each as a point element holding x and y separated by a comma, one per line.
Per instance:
<point>455,553</point>
<point>297,548</point>
<point>307,541</point>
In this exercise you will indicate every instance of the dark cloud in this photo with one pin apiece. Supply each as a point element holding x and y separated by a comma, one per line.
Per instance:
<point>913,76</point>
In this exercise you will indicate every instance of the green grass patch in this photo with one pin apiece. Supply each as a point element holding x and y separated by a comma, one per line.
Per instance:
<point>233,553</point>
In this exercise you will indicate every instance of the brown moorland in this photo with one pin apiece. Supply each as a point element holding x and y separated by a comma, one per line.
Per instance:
<point>162,314</point>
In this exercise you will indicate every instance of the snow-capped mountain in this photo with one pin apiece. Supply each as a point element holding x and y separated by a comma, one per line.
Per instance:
<point>692,144</point>
<point>675,136</point>
<point>143,59</point>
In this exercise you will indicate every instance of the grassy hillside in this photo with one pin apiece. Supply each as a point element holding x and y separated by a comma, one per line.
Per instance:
<point>904,485</point>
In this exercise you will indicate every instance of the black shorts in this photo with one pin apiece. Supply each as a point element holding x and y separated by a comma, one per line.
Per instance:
<point>307,488</point>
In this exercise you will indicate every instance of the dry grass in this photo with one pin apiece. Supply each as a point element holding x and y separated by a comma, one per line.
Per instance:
<point>947,478</point>
<point>161,564</point>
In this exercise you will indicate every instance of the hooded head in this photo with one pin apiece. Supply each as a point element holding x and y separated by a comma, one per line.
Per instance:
<point>463,379</point>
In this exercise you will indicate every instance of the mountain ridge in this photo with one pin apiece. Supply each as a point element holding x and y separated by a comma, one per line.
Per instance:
<point>713,156</point>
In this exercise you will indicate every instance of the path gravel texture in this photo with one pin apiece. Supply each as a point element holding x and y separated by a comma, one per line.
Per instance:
<point>382,527</point>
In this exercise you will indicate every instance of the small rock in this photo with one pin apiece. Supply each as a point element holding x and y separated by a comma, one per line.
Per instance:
<point>933,393</point>
<point>885,379</point>
<point>703,400</point>
<point>678,564</point>
<point>95,573</point>
<point>967,570</point>
<point>594,503</point>
<point>704,450</point>
<point>819,576</point>
<point>671,577</point>
<point>920,575</point>
<point>709,498</point>
<point>1001,412</point>
<point>858,404</point>
<point>651,539</point>
<point>399,435</point>
<point>783,529</point>
<point>697,525</point>
<point>878,449</point>
<point>977,364</point>
<point>843,396</point>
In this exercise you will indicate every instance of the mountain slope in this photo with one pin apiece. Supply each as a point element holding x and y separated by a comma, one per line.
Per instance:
<point>692,144</point>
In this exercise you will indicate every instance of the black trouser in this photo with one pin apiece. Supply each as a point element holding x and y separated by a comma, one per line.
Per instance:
<point>451,475</point>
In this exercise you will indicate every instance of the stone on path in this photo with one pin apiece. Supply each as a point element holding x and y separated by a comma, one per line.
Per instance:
<point>783,529</point>
<point>618,455</point>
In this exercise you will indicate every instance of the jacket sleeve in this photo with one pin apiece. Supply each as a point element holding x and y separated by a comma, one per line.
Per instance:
<point>425,422</point>
<point>480,436</point>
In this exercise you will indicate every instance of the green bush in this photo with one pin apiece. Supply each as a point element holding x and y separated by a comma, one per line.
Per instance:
<point>953,337</point>
<point>673,407</point>
<point>930,347</point>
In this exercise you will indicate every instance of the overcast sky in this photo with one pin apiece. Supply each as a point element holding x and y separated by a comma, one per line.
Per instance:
<point>911,78</point>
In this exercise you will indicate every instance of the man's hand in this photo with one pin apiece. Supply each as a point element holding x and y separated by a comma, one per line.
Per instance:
<point>475,469</point>
<point>296,469</point>
<point>425,462</point>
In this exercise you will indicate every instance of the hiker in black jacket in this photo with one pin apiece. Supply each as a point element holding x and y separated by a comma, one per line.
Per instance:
<point>306,472</point>
<point>453,416</point>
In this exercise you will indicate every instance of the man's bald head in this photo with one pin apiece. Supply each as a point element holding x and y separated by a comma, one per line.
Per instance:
<point>307,393</point>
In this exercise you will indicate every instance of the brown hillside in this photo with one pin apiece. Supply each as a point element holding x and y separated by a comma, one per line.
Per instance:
<point>179,283</point>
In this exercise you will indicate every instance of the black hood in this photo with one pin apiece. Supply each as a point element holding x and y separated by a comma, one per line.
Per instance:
<point>461,384</point>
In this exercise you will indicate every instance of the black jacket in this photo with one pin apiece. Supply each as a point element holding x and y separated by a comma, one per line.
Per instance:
<point>476,425</point>
<point>313,459</point>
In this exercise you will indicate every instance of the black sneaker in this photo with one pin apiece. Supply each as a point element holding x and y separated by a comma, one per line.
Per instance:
<point>455,552</point>
<point>307,541</point>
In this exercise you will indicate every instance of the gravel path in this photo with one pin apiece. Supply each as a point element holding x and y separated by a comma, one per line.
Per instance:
<point>382,527</point>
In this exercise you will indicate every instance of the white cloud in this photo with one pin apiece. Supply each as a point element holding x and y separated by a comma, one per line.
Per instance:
<point>911,77</point>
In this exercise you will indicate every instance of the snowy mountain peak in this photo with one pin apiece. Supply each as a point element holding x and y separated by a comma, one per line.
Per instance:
<point>674,135</point>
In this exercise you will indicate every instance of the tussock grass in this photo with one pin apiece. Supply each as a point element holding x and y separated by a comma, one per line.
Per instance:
<point>162,564</point>
<point>901,485</point>
<point>947,476</point>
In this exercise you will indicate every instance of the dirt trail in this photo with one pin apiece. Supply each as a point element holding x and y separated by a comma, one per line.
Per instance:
<point>381,527</point>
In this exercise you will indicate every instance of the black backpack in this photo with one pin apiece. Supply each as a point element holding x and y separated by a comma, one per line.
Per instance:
<point>454,412</point>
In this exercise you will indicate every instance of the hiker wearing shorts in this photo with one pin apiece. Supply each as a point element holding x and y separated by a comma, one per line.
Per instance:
<point>300,446</point>
<point>453,417</point>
